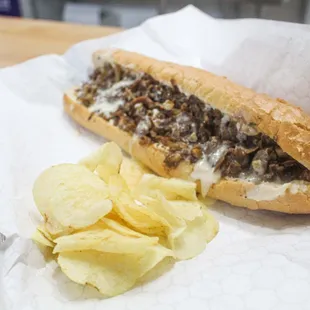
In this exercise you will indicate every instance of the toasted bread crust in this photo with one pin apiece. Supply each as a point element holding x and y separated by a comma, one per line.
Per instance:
<point>288,125</point>
<point>234,191</point>
<point>229,190</point>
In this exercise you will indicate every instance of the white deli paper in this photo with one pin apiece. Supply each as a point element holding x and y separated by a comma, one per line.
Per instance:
<point>259,260</point>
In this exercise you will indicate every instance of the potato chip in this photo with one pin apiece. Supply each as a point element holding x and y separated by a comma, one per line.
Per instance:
<point>212,223</point>
<point>42,229</point>
<point>70,197</point>
<point>207,201</point>
<point>104,240</point>
<point>132,171</point>
<point>188,233</point>
<point>187,210</point>
<point>53,226</point>
<point>118,225</point>
<point>41,239</point>
<point>137,216</point>
<point>172,188</point>
<point>110,273</point>
<point>111,222</point>
<point>108,154</point>
<point>44,187</point>
<point>161,207</point>
<point>191,225</point>
<point>106,161</point>
<point>191,242</point>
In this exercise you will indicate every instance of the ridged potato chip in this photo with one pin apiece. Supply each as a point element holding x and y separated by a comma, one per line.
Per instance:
<point>110,273</point>
<point>70,197</point>
<point>106,161</point>
<point>172,188</point>
<point>104,240</point>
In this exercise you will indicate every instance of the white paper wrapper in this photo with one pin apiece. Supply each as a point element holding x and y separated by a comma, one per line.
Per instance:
<point>259,260</point>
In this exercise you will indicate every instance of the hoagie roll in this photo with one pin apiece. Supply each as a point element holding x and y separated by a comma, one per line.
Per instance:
<point>241,147</point>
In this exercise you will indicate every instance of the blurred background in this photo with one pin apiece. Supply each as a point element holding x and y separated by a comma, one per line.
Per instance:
<point>130,13</point>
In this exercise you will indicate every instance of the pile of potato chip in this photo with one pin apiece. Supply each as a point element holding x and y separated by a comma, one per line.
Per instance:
<point>110,221</point>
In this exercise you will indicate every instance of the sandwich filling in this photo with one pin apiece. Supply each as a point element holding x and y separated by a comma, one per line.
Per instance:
<point>188,128</point>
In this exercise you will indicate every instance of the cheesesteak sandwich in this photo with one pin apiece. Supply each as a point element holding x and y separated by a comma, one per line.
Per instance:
<point>241,147</point>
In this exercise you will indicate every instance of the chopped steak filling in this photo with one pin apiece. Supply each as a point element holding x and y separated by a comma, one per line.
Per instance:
<point>187,127</point>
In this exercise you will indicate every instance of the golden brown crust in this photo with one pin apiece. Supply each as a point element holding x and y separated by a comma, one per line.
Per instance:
<point>228,190</point>
<point>285,123</point>
<point>234,192</point>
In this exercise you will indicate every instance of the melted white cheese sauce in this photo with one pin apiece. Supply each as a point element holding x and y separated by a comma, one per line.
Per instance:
<point>271,191</point>
<point>104,104</point>
<point>298,187</point>
<point>204,173</point>
<point>217,154</point>
<point>204,170</point>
